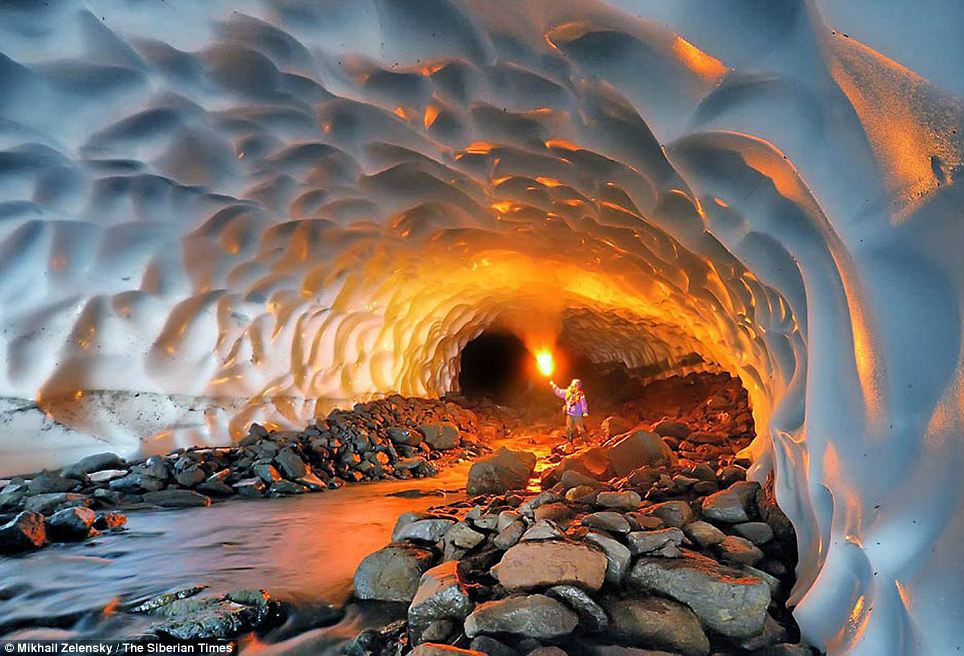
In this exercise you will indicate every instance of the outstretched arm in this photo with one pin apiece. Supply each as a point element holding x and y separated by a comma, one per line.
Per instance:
<point>561,393</point>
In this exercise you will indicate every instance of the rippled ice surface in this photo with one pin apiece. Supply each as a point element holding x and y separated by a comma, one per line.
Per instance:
<point>302,549</point>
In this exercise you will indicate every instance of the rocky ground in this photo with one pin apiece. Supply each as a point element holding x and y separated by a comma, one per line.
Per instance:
<point>647,541</point>
<point>393,438</point>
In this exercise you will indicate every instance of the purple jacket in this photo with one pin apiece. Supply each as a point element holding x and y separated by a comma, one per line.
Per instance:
<point>577,408</point>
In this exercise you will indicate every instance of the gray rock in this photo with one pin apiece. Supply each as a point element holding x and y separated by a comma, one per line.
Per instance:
<point>539,564</point>
<point>285,487</point>
<point>266,472</point>
<point>189,617</point>
<point>675,429</point>
<point>291,464</point>
<point>392,573</point>
<point>438,649</point>
<point>658,622</point>
<point>48,482</point>
<point>429,530</point>
<point>406,436</point>
<point>442,435</point>
<point>673,513</point>
<point>625,500</point>
<point>25,531</point>
<point>544,529</point>
<point>441,594</point>
<point>787,649</point>
<point>106,475</point>
<point>618,556</point>
<point>573,478</point>
<point>510,535</point>
<point>177,499</point>
<point>732,505</point>
<point>663,542</point>
<point>70,524</point>
<point>48,503</point>
<point>704,534</point>
<point>491,647</point>
<point>155,467</point>
<point>136,483</point>
<point>740,551</point>
<point>190,476</point>
<point>250,487</point>
<point>592,618</point>
<point>437,631</point>
<point>639,449</point>
<point>109,521</point>
<point>756,532</point>
<point>506,517</point>
<point>532,616</point>
<point>505,470</point>
<point>621,650</point>
<point>464,536</point>
<point>94,463</point>
<point>529,507</point>
<point>607,521</point>
<point>773,633</point>
<point>726,600</point>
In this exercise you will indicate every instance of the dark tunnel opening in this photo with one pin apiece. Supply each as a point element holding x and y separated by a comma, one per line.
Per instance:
<point>497,365</point>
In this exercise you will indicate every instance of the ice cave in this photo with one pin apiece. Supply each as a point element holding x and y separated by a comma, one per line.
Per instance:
<point>232,223</point>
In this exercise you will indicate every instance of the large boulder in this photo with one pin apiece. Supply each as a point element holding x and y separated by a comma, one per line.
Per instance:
<point>614,425</point>
<point>177,499</point>
<point>392,573</point>
<point>503,471</point>
<point>187,617</point>
<point>47,482</point>
<point>733,505</point>
<point>94,463</point>
<point>538,564</point>
<point>618,556</point>
<point>442,435</point>
<point>25,531</point>
<point>726,600</point>
<point>291,464</point>
<point>441,594</point>
<point>640,449</point>
<point>658,622</point>
<point>46,504</point>
<point>533,616</point>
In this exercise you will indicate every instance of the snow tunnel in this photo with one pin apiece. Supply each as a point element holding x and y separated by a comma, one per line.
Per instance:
<point>225,212</point>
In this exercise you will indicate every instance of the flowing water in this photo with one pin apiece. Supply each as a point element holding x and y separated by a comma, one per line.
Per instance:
<point>303,549</point>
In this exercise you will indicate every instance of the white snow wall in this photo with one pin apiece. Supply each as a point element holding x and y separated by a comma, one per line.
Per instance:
<point>223,211</point>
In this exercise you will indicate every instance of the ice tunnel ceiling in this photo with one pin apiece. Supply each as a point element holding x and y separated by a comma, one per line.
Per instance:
<point>219,212</point>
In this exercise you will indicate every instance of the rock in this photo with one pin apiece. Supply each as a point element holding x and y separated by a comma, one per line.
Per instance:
<point>593,463</point>
<point>664,542</point>
<point>94,463</point>
<point>620,650</point>
<point>70,524</point>
<point>491,647</point>
<point>530,505</point>
<point>392,573</point>
<point>510,535</point>
<point>607,521</point>
<point>548,650</point>
<point>725,506</point>
<point>429,530</point>
<point>406,436</point>
<point>756,532</point>
<point>442,435</point>
<point>592,617</point>
<point>250,487</point>
<point>773,633</point>
<point>441,594</point>
<point>311,481</point>
<point>731,474</point>
<point>109,521</point>
<point>136,483</point>
<point>48,482</point>
<point>436,649</point>
<point>786,649</point>
<point>741,551</point>
<point>206,618</point>
<point>215,487</point>
<point>617,556</point>
<point>437,631</point>
<point>503,471</point>
<point>613,426</point>
<point>291,464</point>
<point>724,599</point>
<point>533,616</point>
<point>626,500</point>
<point>639,449</point>
<point>464,536</point>
<point>572,478</point>
<point>536,564</point>
<point>177,499</point>
<point>190,477</point>
<point>544,529</point>
<point>673,513</point>
<point>555,512</point>
<point>704,534</point>
<point>25,531</point>
<point>266,472</point>
<point>507,517</point>
<point>582,494</point>
<point>46,504</point>
<point>658,622</point>
<point>674,429</point>
<point>285,487</point>
<point>155,467</point>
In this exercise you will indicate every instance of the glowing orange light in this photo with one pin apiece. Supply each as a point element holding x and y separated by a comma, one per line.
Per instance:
<point>544,362</point>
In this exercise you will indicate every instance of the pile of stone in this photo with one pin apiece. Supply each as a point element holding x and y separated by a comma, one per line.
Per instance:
<point>627,548</point>
<point>392,438</point>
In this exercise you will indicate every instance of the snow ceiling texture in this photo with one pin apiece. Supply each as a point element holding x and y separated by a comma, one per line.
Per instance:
<point>217,212</point>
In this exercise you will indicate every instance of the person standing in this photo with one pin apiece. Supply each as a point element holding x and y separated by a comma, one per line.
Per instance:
<point>575,406</point>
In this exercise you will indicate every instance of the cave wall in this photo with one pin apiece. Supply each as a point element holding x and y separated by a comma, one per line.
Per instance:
<point>219,212</point>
